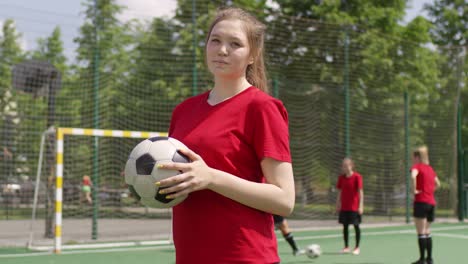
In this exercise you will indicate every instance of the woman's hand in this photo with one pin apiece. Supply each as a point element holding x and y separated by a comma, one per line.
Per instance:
<point>360,210</point>
<point>195,176</point>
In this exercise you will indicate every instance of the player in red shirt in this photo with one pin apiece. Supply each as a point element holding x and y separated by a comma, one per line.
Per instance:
<point>350,202</point>
<point>86,189</point>
<point>238,142</point>
<point>425,182</point>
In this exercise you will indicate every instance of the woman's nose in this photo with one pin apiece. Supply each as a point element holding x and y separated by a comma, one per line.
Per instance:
<point>222,50</point>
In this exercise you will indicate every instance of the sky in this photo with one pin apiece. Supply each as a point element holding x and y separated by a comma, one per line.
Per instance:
<point>37,18</point>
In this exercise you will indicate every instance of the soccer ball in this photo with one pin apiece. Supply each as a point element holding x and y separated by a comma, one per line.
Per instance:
<point>141,172</point>
<point>313,251</point>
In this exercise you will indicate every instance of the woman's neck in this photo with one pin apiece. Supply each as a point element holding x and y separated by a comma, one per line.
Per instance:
<point>225,89</point>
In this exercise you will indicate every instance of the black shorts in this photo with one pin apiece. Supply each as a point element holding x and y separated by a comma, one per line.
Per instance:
<point>278,220</point>
<point>424,210</point>
<point>349,218</point>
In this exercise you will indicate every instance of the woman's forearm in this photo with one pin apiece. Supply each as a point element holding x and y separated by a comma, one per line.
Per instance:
<point>262,196</point>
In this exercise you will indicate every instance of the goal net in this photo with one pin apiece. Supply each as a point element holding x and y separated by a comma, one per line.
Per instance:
<point>112,214</point>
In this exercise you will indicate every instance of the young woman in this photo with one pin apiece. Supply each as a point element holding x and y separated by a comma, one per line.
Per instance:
<point>425,182</point>
<point>238,142</point>
<point>350,203</point>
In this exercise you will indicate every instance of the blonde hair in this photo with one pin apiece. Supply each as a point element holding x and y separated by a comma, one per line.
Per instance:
<point>422,152</point>
<point>348,159</point>
<point>255,31</point>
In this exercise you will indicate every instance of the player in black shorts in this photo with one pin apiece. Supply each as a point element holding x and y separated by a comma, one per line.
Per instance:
<point>425,182</point>
<point>350,203</point>
<point>282,225</point>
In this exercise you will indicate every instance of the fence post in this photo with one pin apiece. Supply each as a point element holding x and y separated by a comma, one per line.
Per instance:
<point>407,157</point>
<point>95,178</point>
<point>194,70</point>
<point>346,90</point>
<point>461,174</point>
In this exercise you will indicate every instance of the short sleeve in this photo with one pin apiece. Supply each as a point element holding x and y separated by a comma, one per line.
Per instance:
<point>270,130</point>
<point>359,182</point>
<point>338,183</point>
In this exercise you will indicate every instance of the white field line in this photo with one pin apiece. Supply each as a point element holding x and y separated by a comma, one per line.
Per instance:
<point>449,235</point>
<point>390,232</point>
<point>88,251</point>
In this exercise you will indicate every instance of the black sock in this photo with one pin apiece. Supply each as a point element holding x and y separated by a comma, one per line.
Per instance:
<point>290,238</point>
<point>429,246</point>
<point>422,245</point>
<point>345,235</point>
<point>358,234</point>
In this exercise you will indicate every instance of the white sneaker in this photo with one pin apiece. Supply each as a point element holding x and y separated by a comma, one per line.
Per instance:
<point>299,252</point>
<point>345,250</point>
<point>356,251</point>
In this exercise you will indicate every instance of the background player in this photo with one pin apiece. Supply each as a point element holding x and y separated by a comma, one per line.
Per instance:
<point>86,189</point>
<point>282,224</point>
<point>425,182</point>
<point>350,203</point>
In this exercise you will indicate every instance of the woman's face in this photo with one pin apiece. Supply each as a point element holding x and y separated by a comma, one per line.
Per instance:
<point>228,50</point>
<point>347,166</point>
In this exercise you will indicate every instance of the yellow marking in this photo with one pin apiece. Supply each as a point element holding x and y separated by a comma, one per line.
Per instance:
<point>59,158</point>
<point>127,134</point>
<point>88,132</point>
<point>66,130</point>
<point>59,182</point>
<point>58,207</point>
<point>58,231</point>
<point>59,135</point>
<point>108,133</point>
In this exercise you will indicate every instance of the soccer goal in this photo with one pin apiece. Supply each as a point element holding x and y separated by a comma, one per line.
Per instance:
<point>110,216</point>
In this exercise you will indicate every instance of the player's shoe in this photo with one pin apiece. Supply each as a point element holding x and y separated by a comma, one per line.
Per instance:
<point>419,261</point>
<point>345,250</point>
<point>298,252</point>
<point>356,251</point>
<point>429,261</point>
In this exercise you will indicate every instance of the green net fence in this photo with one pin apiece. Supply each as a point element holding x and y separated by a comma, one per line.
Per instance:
<point>343,86</point>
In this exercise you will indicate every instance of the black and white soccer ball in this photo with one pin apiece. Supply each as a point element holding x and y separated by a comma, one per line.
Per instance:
<point>141,172</point>
<point>313,251</point>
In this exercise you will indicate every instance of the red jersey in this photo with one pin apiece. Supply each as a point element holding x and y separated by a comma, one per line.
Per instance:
<point>232,136</point>
<point>349,187</point>
<point>87,182</point>
<point>425,183</point>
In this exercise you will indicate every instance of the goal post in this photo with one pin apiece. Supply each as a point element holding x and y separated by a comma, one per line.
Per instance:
<point>62,134</point>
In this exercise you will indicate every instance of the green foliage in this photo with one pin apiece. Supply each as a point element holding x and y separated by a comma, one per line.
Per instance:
<point>450,30</point>
<point>314,49</point>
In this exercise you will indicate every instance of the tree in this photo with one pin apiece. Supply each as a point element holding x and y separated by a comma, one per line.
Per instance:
<point>104,62</point>
<point>51,50</point>
<point>321,47</point>
<point>450,32</point>
<point>10,54</point>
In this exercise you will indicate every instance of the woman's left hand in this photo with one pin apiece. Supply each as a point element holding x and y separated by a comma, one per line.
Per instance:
<point>195,176</point>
